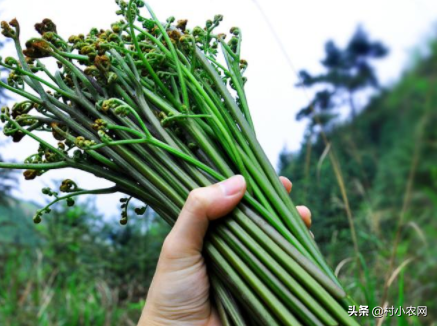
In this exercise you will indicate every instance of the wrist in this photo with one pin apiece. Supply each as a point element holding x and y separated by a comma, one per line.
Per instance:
<point>146,320</point>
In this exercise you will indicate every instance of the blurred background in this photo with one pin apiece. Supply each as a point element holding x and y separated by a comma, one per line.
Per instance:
<point>343,95</point>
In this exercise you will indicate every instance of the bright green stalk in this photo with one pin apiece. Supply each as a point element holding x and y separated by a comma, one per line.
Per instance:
<point>147,111</point>
<point>103,191</point>
<point>34,166</point>
<point>79,74</point>
<point>287,209</point>
<point>152,72</point>
<point>195,131</point>
<point>239,287</point>
<point>42,81</point>
<point>257,285</point>
<point>174,54</point>
<point>32,135</point>
<point>20,92</point>
<point>296,271</point>
<point>285,245</point>
<point>227,301</point>
<point>221,127</point>
<point>238,83</point>
<point>98,157</point>
<point>271,280</point>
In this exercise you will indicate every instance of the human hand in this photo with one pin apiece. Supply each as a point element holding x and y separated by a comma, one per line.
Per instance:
<point>179,293</point>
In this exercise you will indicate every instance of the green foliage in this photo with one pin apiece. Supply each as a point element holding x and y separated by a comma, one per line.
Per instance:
<point>74,269</point>
<point>387,158</point>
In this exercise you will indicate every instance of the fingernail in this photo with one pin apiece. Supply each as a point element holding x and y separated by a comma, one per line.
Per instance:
<point>233,185</point>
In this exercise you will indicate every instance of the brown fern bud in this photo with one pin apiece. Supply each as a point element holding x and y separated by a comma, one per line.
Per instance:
<point>37,49</point>
<point>45,26</point>
<point>182,24</point>
<point>7,30</point>
<point>55,131</point>
<point>68,186</point>
<point>30,174</point>
<point>102,62</point>
<point>174,35</point>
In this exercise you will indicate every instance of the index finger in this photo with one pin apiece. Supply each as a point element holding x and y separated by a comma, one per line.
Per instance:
<point>287,183</point>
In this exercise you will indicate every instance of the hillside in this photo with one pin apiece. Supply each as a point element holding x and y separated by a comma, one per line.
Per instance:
<point>16,225</point>
<point>387,158</point>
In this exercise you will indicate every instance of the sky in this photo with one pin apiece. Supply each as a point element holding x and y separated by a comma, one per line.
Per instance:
<point>302,27</point>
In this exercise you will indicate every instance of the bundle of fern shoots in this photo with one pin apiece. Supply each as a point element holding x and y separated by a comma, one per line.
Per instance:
<point>159,109</point>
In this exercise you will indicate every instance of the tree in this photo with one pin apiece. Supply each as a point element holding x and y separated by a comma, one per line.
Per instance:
<point>348,71</point>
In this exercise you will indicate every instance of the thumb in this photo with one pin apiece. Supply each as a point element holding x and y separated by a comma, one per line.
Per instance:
<point>203,205</point>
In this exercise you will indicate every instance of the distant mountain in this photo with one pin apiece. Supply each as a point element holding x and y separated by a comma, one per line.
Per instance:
<point>16,224</point>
